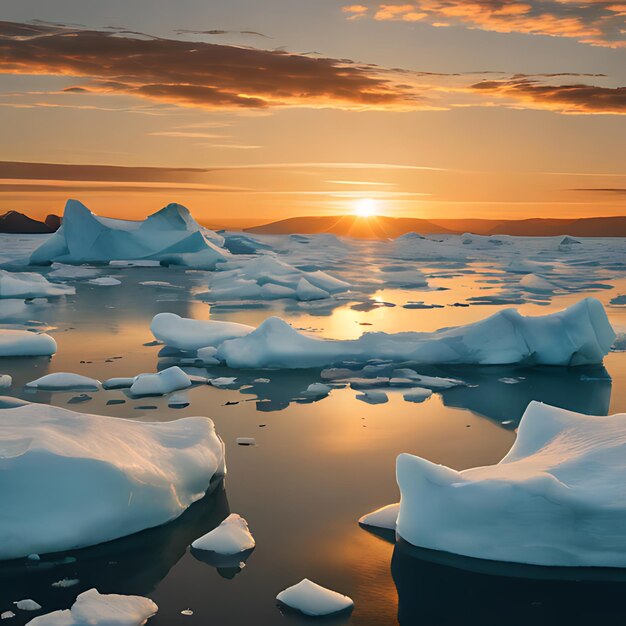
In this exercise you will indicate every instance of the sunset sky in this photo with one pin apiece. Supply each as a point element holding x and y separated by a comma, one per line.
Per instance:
<point>255,111</point>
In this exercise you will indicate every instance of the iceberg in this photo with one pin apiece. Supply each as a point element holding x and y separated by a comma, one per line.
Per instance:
<point>231,537</point>
<point>313,599</point>
<point>96,609</point>
<point>556,499</point>
<point>30,285</point>
<point>74,480</point>
<point>25,343</point>
<point>169,236</point>
<point>579,335</point>
<point>189,334</point>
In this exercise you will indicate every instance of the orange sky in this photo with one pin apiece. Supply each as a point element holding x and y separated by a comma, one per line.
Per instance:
<point>437,108</point>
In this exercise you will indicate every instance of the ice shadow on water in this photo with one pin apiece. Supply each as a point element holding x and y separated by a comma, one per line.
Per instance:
<point>503,393</point>
<point>441,589</point>
<point>131,565</point>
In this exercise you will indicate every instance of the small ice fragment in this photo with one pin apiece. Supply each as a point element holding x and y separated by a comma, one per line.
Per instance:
<point>7,615</point>
<point>223,381</point>
<point>232,536</point>
<point>64,381</point>
<point>65,582</point>
<point>33,557</point>
<point>5,381</point>
<point>178,400</point>
<point>186,612</point>
<point>261,380</point>
<point>246,441</point>
<point>105,281</point>
<point>316,390</point>
<point>313,599</point>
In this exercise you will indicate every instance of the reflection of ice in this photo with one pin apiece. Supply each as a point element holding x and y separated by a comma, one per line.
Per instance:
<point>442,589</point>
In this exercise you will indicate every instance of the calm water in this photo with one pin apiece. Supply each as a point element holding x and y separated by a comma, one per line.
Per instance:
<point>316,469</point>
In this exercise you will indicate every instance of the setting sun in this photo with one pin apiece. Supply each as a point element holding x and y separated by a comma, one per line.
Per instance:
<point>365,207</point>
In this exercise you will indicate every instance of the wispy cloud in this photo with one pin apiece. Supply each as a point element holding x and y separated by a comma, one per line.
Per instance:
<point>594,22</point>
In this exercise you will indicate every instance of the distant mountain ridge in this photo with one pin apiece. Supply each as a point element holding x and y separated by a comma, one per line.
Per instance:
<point>390,227</point>
<point>18,223</point>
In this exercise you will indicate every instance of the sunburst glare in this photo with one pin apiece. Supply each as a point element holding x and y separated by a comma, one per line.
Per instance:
<point>365,207</point>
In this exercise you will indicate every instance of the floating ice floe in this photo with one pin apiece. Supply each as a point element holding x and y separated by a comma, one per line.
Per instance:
<point>557,498</point>
<point>7,615</point>
<point>385,517</point>
<point>189,334</point>
<point>317,391</point>
<point>79,483</point>
<point>169,236</point>
<point>28,605</point>
<point>105,281</point>
<point>62,271</point>
<point>313,599</point>
<point>178,400</point>
<point>64,381</point>
<point>25,343</point>
<point>5,381</point>
<point>232,536</point>
<point>373,397</point>
<point>30,285</point>
<point>417,395</point>
<point>269,278</point>
<point>94,609</point>
<point>579,335</point>
<point>246,441</point>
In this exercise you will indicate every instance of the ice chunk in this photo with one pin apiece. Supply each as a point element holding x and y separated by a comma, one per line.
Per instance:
<point>557,497</point>
<point>246,441</point>
<point>25,343</point>
<point>178,400</point>
<point>579,335</point>
<point>105,281</point>
<point>27,605</point>
<point>64,381</point>
<point>5,381</point>
<point>223,381</point>
<point>83,479</point>
<point>94,609</point>
<point>169,236</point>
<point>189,334</point>
<point>7,615</point>
<point>171,379</point>
<point>373,397</point>
<point>385,517</point>
<point>232,536</point>
<point>417,395</point>
<point>30,285</point>
<point>118,383</point>
<point>65,582</point>
<point>313,599</point>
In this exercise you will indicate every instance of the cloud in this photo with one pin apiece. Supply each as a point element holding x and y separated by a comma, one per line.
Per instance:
<point>574,98</point>
<point>198,74</point>
<point>594,22</point>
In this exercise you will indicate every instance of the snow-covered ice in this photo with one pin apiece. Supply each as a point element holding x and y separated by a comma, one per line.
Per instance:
<point>313,599</point>
<point>27,605</point>
<point>24,343</point>
<point>190,334</point>
<point>94,609</point>
<point>105,281</point>
<point>73,480</point>
<point>557,498</point>
<point>171,379</point>
<point>170,236</point>
<point>232,536</point>
<point>30,285</point>
<point>64,381</point>
<point>417,395</point>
